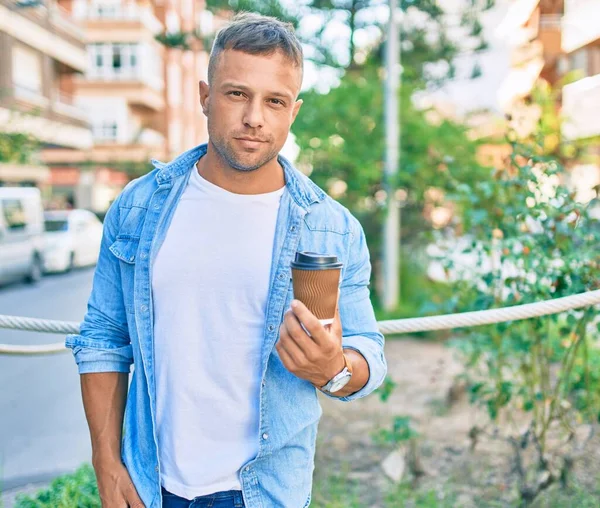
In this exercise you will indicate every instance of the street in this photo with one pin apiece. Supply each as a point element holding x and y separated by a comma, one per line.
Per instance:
<point>43,431</point>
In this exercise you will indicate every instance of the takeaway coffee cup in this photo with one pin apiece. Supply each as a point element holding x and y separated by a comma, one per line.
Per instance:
<point>315,280</point>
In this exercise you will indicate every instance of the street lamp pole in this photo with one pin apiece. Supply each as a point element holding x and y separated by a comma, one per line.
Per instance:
<point>391,230</point>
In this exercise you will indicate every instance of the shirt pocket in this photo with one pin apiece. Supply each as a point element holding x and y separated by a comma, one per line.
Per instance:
<point>125,248</point>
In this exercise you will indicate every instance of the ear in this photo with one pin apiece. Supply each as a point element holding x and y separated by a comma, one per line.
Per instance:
<point>296,109</point>
<point>204,90</point>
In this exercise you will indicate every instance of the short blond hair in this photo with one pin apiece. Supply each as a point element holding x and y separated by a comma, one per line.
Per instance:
<point>257,35</point>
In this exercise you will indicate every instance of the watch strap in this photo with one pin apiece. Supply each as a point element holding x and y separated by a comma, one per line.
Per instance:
<point>347,367</point>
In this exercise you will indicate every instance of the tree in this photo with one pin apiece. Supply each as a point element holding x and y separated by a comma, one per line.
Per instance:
<point>341,133</point>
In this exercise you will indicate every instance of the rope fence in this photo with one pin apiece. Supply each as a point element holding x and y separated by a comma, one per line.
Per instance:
<point>389,327</point>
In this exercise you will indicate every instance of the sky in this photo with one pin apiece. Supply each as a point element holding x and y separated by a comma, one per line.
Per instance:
<point>462,95</point>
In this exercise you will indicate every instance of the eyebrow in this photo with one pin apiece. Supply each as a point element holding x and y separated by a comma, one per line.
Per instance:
<point>232,84</point>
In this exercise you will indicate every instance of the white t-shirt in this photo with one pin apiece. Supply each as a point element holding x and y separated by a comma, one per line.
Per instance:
<point>210,285</point>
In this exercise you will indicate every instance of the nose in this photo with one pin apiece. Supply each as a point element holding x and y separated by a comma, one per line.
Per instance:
<point>253,114</point>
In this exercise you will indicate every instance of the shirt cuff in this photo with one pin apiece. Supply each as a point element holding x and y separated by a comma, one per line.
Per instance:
<point>99,357</point>
<point>373,354</point>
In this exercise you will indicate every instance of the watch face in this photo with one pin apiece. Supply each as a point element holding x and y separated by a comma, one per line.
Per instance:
<point>338,384</point>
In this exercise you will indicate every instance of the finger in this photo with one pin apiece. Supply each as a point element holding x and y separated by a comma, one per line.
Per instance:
<point>133,499</point>
<point>285,358</point>
<point>310,321</point>
<point>299,335</point>
<point>291,348</point>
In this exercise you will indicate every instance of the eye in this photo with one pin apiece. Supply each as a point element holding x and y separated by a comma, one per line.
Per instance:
<point>277,102</point>
<point>236,93</point>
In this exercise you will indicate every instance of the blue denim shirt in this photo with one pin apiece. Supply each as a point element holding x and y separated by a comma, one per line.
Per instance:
<point>118,327</point>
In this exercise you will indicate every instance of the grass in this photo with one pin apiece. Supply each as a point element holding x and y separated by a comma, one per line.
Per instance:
<point>79,490</point>
<point>335,491</point>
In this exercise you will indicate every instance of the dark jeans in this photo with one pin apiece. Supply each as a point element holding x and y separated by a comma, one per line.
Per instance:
<point>229,499</point>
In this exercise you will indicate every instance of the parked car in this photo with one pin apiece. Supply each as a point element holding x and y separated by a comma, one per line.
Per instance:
<point>21,234</point>
<point>72,239</point>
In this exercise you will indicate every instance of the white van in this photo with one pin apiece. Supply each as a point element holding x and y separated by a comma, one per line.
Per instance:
<point>21,234</point>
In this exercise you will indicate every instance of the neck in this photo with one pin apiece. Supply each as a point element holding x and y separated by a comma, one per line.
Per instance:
<point>267,178</point>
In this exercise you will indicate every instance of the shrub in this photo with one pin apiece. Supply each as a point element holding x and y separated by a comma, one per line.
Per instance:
<point>78,489</point>
<point>530,241</point>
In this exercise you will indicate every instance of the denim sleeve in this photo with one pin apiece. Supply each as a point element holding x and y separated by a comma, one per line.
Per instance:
<point>103,343</point>
<point>359,326</point>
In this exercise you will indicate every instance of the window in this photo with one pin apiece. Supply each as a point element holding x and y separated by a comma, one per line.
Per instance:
<point>14,215</point>
<point>54,225</point>
<point>105,131</point>
<point>27,70</point>
<point>579,61</point>
<point>116,58</point>
<point>112,60</point>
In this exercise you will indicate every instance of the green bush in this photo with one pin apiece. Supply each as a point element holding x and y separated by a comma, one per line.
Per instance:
<point>531,241</point>
<point>76,490</point>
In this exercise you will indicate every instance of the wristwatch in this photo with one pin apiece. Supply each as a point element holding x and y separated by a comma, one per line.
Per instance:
<point>340,380</point>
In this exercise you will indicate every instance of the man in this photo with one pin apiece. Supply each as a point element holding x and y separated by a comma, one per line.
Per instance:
<point>193,287</point>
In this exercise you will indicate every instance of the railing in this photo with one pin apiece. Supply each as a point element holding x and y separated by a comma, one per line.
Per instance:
<point>64,103</point>
<point>63,20</point>
<point>30,94</point>
<point>135,74</point>
<point>391,327</point>
<point>120,12</point>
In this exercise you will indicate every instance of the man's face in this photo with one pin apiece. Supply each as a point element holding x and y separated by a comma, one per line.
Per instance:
<point>251,105</point>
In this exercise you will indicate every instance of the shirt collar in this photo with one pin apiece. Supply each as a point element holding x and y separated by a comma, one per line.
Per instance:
<point>303,190</point>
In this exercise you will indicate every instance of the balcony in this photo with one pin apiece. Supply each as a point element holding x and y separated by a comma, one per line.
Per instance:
<point>110,146</point>
<point>580,106</point>
<point>32,97</point>
<point>144,92</point>
<point>107,153</point>
<point>526,53</point>
<point>118,22</point>
<point>580,24</point>
<point>47,129</point>
<point>49,31</point>
<point>64,104</point>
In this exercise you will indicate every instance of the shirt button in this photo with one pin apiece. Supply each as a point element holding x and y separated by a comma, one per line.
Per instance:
<point>282,276</point>
<point>157,206</point>
<point>247,469</point>
<point>144,308</point>
<point>156,469</point>
<point>271,328</point>
<point>144,255</point>
<point>293,228</point>
<point>265,436</point>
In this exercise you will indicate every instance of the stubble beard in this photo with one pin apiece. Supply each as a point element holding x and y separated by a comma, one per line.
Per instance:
<point>229,155</point>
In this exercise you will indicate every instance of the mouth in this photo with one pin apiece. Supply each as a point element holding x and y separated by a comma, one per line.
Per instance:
<point>249,142</point>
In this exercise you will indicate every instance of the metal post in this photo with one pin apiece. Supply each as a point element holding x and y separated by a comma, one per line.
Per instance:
<point>391,230</point>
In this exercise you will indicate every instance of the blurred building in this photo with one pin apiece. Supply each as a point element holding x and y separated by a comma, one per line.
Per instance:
<point>581,99</point>
<point>553,40</point>
<point>41,52</point>
<point>140,95</point>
